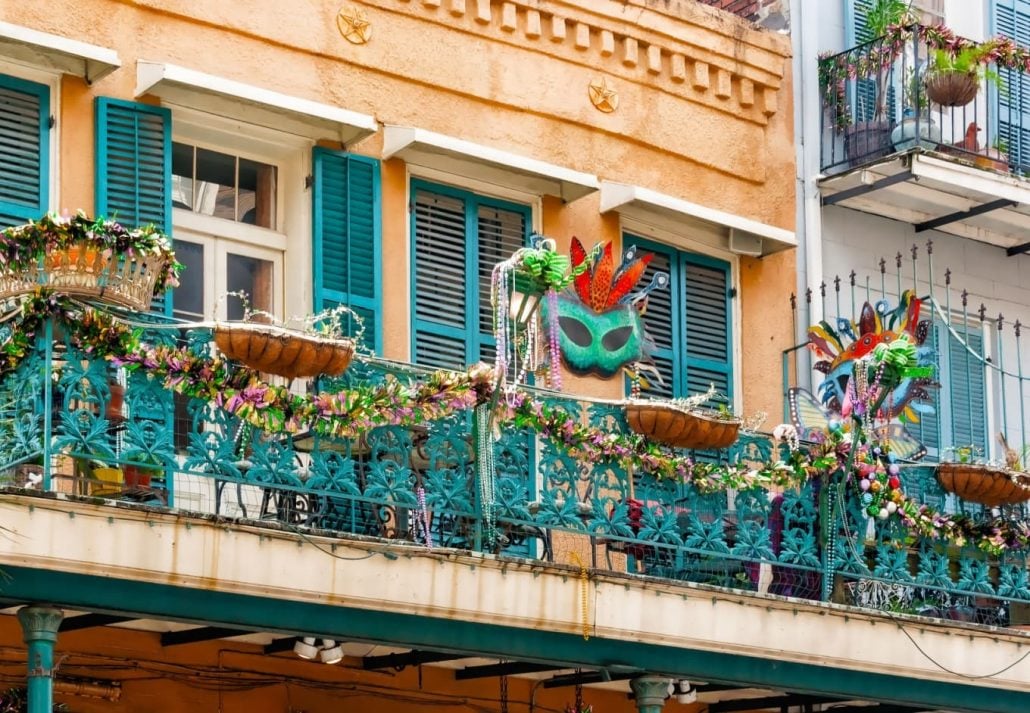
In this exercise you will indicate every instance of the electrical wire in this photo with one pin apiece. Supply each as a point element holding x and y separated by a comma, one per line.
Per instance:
<point>849,538</point>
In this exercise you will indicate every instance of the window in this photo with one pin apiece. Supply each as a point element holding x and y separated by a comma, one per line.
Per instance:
<point>223,186</point>
<point>690,322</point>
<point>24,150</point>
<point>457,239</point>
<point>960,404</point>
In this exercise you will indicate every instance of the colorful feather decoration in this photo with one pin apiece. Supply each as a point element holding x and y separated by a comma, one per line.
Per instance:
<point>601,282</point>
<point>578,255</point>
<point>626,278</point>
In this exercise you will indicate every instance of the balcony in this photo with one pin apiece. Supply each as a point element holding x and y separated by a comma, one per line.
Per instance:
<point>941,151</point>
<point>77,429</point>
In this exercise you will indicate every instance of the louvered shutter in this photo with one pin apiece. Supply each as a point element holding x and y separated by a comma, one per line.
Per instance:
<point>24,150</point>
<point>966,392</point>
<point>500,231</point>
<point>856,29</point>
<point>661,323</point>
<point>705,285</point>
<point>1012,19</point>
<point>441,281</point>
<point>347,270</point>
<point>134,168</point>
<point>928,430</point>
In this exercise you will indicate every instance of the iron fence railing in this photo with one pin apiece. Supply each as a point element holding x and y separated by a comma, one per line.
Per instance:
<point>884,97</point>
<point>74,425</point>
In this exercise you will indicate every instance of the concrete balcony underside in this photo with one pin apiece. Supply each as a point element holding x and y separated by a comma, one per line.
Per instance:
<point>96,557</point>
<point>937,192</point>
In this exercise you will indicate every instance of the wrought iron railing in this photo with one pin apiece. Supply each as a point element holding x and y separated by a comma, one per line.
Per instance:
<point>883,98</point>
<point>63,430</point>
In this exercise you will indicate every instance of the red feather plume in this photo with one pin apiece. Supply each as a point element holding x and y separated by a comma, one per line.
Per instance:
<point>578,255</point>
<point>601,282</point>
<point>628,276</point>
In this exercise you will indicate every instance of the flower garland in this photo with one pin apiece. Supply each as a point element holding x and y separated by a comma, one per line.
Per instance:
<point>879,54</point>
<point>351,412</point>
<point>23,247</point>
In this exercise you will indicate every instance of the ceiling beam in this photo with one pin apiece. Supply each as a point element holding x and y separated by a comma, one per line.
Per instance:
<point>963,214</point>
<point>203,633</point>
<point>509,668</point>
<point>90,621</point>
<point>757,704</point>
<point>862,189</point>
<point>883,708</point>
<point>410,658</point>
<point>1018,249</point>
<point>586,677</point>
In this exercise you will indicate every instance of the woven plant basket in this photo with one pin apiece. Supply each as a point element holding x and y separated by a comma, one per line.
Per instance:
<point>675,427</point>
<point>82,270</point>
<point>952,88</point>
<point>983,484</point>
<point>283,352</point>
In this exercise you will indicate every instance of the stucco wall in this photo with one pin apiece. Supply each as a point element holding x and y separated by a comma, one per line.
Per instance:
<point>705,110</point>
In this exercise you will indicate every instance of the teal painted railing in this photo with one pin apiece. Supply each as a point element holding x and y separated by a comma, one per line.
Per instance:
<point>420,485</point>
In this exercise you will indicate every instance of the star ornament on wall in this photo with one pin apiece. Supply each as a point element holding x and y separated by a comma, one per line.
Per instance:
<point>603,97</point>
<point>354,26</point>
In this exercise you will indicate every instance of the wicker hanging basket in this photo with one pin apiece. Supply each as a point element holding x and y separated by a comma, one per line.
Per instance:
<point>283,352</point>
<point>983,483</point>
<point>673,426</point>
<point>952,88</point>
<point>82,270</point>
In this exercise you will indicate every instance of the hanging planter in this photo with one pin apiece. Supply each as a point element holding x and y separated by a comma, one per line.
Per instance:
<point>99,260</point>
<point>985,484</point>
<point>673,425</point>
<point>284,352</point>
<point>952,88</point>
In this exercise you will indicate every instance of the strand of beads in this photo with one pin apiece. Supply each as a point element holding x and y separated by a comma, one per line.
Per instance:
<point>552,337</point>
<point>500,302</point>
<point>487,473</point>
<point>423,516</point>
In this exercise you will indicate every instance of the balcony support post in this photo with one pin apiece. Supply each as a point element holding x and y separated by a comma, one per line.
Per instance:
<point>39,626</point>
<point>650,692</point>
<point>48,403</point>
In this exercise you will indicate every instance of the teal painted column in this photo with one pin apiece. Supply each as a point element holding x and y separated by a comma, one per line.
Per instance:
<point>39,626</point>
<point>650,693</point>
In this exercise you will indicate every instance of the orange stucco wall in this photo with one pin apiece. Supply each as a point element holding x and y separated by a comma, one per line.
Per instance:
<point>186,678</point>
<point>704,110</point>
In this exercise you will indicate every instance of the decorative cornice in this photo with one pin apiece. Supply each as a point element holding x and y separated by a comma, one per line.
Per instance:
<point>704,55</point>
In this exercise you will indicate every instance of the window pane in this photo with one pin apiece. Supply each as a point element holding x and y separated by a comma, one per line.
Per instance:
<point>216,183</point>
<point>182,176</point>
<point>251,276</point>
<point>257,194</point>
<point>189,295</point>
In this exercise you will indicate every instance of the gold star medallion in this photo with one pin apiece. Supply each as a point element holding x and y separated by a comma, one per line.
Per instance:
<point>353,25</point>
<point>602,97</point>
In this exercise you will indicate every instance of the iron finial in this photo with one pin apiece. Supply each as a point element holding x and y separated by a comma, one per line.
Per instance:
<point>898,258</point>
<point>1018,327</point>
<point>793,301</point>
<point>947,276</point>
<point>852,276</point>
<point>965,298</point>
<point>808,295</point>
<point>929,246</point>
<point>982,311</point>
<point>883,266</point>
<point>836,283</point>
<point>822,288</point>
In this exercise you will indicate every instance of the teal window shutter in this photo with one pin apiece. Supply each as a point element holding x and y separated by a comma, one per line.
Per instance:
<point>690,323</point>
<point>347,239</point>
<point>24,150</point>
<point>856,30</point>
<point>960,403</point>
<point>1011,18</point>
<point>134,168</point>
<point>458,238</point>
<point>707,323</point>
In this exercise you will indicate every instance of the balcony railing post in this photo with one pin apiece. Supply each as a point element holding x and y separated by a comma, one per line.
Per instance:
<point>48,402</point>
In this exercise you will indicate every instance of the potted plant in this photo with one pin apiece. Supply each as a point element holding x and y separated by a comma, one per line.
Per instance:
<point>871,139</point>
<point>985,483</point>
<point>954,78</point>
<point>917,128</point>
<point>684,422</point>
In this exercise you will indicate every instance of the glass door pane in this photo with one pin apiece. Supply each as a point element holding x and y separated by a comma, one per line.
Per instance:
<point>253,277</point>
<point>189,295</point>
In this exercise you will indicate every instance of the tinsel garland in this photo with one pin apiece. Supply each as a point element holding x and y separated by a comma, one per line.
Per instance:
<point>349,413</point>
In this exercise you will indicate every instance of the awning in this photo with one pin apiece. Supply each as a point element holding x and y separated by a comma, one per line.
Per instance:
<point>446,153</point>
<point>250,103</point>
<point>743,234</point>
<point>41,49</point>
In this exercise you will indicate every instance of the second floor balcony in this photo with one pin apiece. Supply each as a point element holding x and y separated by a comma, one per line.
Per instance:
<point>930,129</point>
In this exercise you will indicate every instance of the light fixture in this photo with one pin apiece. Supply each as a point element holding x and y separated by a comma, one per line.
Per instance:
<point>331,652</point>
<point>305,648</point>
<point>685,693</point>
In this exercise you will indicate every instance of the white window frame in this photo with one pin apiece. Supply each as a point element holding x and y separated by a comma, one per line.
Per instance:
<point>51,79</point>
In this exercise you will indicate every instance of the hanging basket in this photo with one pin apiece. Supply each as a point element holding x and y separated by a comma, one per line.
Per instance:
<point>952,88</point>
<point>83,270</point>
<point>983,483</point>
<point>665,423</point>
<point>283,352</point>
